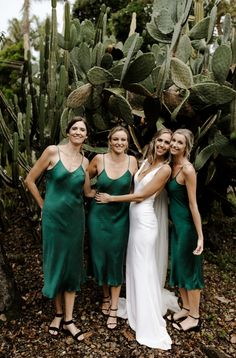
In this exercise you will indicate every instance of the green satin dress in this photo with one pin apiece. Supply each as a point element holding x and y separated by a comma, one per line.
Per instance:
<point>63,225</point>
<point>186,268</point>
<point>108,226</point>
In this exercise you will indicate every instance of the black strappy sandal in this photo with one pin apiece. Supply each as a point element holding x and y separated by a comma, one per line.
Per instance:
<point>105,311</point>
<point>113,324</point>
<point>77,335</point>
<point>171,319</point>
<point>196,328</point>
<point>55,329</point>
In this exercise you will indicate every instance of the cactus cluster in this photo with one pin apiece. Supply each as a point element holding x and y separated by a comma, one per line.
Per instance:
<point>183,79</point>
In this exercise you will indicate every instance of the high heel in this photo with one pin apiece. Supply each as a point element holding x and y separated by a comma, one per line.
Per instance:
<point>55,329</point>
<point>171,319</point>
<point>196,328</point>
<point>105,311</point>
<point>113,324</point>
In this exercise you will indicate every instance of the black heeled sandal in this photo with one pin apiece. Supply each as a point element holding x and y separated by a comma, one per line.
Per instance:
<point>105,311</point>
<point>77,335</point>
<point>55,329</point>
<point>113,324</point>
<point>196,328</point>
<point>171,319</point>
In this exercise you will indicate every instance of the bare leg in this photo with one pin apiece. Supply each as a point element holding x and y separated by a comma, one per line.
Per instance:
<point>55,324</point>
<point>58,303</point>
<point>185,309</point>
<point>112,319</point>
<point>106,302</point>
<point>69,307</point>
<point>194,303</point>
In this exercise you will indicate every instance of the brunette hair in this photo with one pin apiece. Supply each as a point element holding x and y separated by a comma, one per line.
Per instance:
<point>189,138</point>
<point>117,129</point>
<point>74,120</point>
<point>151,151</point>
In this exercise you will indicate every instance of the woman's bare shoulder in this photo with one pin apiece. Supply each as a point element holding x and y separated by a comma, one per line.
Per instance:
<point>166,168</point>
<point>51,150</point>
<point>85,162</point>
<point>188,169</point>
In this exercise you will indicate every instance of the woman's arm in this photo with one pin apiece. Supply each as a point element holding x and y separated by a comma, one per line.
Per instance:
<point>191,185</point>
<point>88,191</point>
<point>155,186</point>
<point>93,166</point>
<point>39,167</point>
<point>133,165</point>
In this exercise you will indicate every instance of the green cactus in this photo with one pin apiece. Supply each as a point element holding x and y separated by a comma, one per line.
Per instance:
<point>14,164</point>
<point>181,74</point>
<point>221,62</point>
<point>140,68</point>
<point>212,93</point>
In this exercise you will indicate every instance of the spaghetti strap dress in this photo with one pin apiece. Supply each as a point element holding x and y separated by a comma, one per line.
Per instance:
<point>186,268</point>
<point>63,225</point>
<point>108,227</point>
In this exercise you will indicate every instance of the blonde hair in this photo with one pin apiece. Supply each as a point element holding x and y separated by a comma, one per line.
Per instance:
<point>151,151</point>
<point>189,138</point>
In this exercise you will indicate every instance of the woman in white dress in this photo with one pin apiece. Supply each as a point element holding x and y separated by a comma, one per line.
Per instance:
<point>146,261</point>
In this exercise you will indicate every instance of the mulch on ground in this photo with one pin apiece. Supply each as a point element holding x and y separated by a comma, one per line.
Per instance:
<point>27,336</point>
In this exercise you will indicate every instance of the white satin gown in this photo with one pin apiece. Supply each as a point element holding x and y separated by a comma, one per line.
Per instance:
<point>146,265</point>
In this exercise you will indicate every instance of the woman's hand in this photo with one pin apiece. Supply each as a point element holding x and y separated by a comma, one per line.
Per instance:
<point>103,198</point>
<point>199,247</point>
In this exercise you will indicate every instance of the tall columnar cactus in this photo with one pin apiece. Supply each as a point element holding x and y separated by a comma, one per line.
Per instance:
<point>185,79</point>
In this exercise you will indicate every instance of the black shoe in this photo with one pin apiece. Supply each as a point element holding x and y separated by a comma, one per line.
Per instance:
<point>105,311</point>
<point>171,319</point>
<point>112,325</point>
<point>77,335</point>
<point>55,329</point>
<point>196,328</point>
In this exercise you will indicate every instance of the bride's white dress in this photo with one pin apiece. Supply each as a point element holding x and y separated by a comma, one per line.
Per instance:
<point>146,265</point>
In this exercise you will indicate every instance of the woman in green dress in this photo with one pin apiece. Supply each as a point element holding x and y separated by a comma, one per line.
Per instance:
<point>186,235</point>
<point>63,222</point>
<point>109,224</point>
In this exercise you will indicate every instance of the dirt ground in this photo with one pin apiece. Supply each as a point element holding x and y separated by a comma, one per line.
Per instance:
<point>27,336</point>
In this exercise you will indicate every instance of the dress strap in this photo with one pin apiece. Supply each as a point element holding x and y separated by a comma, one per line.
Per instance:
<point>82,158</point>
<point>103,156</point>
<point>181,169</point>
<point>59,154</point>
<point>128,161</point>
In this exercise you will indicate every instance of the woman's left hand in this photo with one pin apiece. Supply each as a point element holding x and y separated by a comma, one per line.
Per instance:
<point>199,247</point>
<point>103,198</point>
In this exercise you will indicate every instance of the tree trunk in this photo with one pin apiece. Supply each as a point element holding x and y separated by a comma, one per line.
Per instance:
<point>10,301</point>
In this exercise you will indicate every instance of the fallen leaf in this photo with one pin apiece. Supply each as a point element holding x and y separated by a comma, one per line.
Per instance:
<point>222,299</point>
<point>128,335</point>
<point>233,339</point>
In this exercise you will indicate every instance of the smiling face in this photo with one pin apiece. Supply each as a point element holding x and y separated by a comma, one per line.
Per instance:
<point>118,142</point>
<point>178,144</point>
<point>162,144</point>
<point>77,132</point>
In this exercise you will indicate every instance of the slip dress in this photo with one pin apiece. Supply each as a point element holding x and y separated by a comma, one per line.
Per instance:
<point>63,226</point>
<point>108,227</point>
<point>186,268</point>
